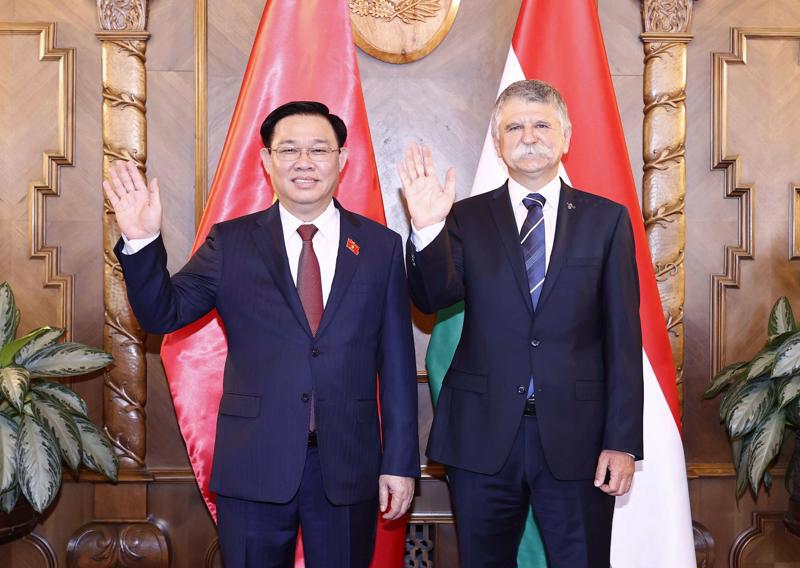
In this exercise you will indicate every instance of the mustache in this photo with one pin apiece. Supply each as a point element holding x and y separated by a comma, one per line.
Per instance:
<point>531,151</point>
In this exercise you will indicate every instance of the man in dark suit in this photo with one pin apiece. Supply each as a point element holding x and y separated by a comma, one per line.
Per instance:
<point>542,404</point>
<point>315,307</point>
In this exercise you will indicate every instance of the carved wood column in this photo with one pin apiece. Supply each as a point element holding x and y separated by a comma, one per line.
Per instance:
<point>666,38</point>
<point>122,534</point>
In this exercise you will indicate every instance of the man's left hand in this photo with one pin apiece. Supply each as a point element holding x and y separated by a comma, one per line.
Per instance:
<point>620,465</point>
<point>402,491</point>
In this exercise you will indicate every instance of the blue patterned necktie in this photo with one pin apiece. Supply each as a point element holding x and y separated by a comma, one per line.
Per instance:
<point>531,237</point>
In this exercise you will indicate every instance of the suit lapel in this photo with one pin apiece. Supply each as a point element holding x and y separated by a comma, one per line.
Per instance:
<point>346,264</point>
<point>268,236</point>
<point>564,219</point>
<point>503,215</point>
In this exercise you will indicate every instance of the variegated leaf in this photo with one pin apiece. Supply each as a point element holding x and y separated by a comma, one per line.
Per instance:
<point>793,412</point>
<point>724,378</point>
<point>740,460</point>
<point>39,463</point>
<point>9,314</point>
<point>787,359</point>
<point>8,500</point>
<point>789,391</point>
<point>65,395</point>
<point>9,431</point>
<point>761,363</point>
<point>10,349</point>
<point>766,443</point>
<point>752,404</point>
<point>781,319</point>
<point>729,398</point>
<point>14,385</point>
<point>98,453</point>
<point>791,468</point>
<point>60,421</point>
<point>47,338</point>
<point>67,360</point>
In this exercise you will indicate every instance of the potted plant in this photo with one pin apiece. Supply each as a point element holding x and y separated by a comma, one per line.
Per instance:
<point>761,403</point>
<point>42,422</point>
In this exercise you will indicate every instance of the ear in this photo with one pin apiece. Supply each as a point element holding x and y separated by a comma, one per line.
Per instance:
<point>567,139</point>
<point>496,143</point>
<point>265,160</point>
<point>342,158</point>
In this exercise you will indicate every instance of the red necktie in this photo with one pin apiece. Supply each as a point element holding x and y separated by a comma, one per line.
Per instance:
<point>309,286</point>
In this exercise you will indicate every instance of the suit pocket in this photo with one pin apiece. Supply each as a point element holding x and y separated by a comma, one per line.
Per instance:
<point>584,261</point>
<point>244,405</point>
<point>461,380</point>
<point>590,390</point>
<point>366,411</point>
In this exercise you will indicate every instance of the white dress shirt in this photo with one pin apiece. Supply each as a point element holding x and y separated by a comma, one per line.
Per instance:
<point>516,192</point>
<point>326,243</point>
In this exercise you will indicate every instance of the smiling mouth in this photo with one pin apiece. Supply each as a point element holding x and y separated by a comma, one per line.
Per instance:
<point>304,180</point>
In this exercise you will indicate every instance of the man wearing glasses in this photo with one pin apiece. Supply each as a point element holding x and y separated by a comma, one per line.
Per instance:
<point>314,303</point>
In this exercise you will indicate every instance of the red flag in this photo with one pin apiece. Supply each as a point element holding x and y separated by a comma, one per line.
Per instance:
<point>302,51</point>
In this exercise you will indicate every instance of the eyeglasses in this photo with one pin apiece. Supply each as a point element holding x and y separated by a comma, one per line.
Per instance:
<point>292,153</point>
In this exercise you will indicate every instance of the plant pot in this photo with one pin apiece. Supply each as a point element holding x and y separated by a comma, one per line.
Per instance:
<point>18,522</point>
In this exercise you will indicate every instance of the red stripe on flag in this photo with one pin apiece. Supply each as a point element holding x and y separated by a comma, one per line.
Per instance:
<point>302,51</point>
<point>562,43</point>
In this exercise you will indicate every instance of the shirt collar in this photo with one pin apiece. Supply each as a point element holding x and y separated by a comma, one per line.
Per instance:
<point>326,223</point>
<point>551,192</point>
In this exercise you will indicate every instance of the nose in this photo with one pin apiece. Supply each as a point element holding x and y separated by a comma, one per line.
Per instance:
<point>529,134</point>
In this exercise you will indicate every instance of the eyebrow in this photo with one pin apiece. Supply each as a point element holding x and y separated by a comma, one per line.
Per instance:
<point>314,141</point>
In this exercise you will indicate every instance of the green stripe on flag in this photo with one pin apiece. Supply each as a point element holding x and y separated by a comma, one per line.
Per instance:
<point>444,340</point>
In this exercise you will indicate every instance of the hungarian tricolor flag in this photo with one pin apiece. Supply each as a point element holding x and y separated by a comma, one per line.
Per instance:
<point>560,42</point>
<point>302,51</point>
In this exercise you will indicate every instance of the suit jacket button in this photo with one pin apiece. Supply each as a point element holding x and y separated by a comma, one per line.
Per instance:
<point>522,389</point>
<point>315,352</point>
<point>305,397</point>
<point>535,343</point>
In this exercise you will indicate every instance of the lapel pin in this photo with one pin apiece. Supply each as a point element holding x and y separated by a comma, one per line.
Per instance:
<point>352,247</point>
<point>570,205</point>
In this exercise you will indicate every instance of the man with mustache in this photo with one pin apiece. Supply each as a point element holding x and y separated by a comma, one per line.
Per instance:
<point>542,403</point>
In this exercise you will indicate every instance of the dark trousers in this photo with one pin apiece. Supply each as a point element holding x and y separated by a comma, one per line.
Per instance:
<point>574,517</point>
<point>264,535</point>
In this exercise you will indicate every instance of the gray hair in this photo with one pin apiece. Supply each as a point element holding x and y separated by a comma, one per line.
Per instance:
<point>532,91</point>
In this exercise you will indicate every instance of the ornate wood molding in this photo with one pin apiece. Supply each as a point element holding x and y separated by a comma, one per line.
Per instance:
<point>734,188</point>
<point>122,15</point>
<point>118,545</point>
<point>664,183</point>
<point>50,185</point>
<point>757,532</point>
<point>703,545</point>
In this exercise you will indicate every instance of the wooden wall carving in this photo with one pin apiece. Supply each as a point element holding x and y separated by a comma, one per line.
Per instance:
<point>703,546</point>
<point>118,545</point>
<point>664,151</point>
<point>51,164</point>
<point>213,557</point>
<point>122,14</point>
<point>734,187</point>
<point>767,542</point>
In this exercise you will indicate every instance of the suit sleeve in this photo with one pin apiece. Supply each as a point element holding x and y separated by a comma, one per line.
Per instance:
<point>398,383</point>
<point>163,304</point>
<point>436,273</point>
<point>622,344</point>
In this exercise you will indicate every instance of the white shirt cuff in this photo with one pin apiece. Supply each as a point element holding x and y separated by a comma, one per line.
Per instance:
<point>133,246</point>
<point>421,238</point>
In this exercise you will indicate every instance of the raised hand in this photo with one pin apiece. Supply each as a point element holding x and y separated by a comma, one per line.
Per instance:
<point>137,206</point>
<point>428,202</point>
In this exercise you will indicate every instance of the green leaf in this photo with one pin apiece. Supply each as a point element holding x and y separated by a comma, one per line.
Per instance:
<point>9,350</point>
<point>766,443</point>
<point>789,390</point>
<point>98,453</point>
<point>65,395</point>
<point>9,314</point>
<point>9,432</point>
<point>781,319</point>
<point>8,500</point>
<point>761,363</point>
<point>39,463</point>
<point>793,412</point>
<point>14,385</point>
<point>63,426</point>
<point>752,404</point>
<point>787,358</point>
<point>724,378</point>
<point>729,398</point>
<point>67,360</point>
<point>740,462</point>
<point>48,336</point>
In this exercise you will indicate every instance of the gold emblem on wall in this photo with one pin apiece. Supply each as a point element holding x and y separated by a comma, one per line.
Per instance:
<point>401,31</point>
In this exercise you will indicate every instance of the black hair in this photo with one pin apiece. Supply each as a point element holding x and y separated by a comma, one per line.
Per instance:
<point>308,108</point>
